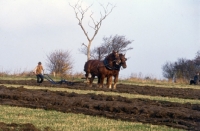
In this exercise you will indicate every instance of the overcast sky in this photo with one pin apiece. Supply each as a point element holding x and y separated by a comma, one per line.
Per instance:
<point>162,30</point>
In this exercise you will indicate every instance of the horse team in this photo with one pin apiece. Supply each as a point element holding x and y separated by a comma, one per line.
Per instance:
<point>109,68</point>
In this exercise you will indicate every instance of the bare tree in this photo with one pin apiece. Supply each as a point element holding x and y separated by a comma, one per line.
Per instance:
<point>99,53</point>
<point>60,62</point>
<point>168,70</point>
<point>117,43</point>
<point>80,14</point>
<point>182,68</point>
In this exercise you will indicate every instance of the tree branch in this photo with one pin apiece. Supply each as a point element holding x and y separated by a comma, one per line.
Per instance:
<point>80,14</point>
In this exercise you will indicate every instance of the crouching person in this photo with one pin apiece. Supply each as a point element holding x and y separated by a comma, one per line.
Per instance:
<point>38,72</point>
<point>196,80</point>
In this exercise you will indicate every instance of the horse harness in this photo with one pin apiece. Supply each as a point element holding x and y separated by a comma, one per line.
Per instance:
<point>105,62</point>
<point>116,67</point>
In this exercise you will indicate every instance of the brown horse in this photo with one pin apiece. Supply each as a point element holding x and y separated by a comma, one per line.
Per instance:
<point>93,67</point>
<point>100,69</point>
<point>115,72</point>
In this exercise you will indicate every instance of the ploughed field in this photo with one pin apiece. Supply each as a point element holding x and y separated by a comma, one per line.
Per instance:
<point>177,115</point>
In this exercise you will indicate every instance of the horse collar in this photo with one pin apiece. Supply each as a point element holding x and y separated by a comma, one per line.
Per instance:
<point>116,67</point>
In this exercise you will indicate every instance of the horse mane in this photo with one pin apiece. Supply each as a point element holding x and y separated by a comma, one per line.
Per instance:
<point>112,55</point>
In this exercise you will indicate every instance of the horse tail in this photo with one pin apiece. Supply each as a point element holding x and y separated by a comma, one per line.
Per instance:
<point>85,66</point>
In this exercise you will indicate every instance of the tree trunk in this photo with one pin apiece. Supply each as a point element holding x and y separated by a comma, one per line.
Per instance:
<point>88,50</point>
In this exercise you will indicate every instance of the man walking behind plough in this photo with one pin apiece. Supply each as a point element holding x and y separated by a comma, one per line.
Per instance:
<point>38,72</point>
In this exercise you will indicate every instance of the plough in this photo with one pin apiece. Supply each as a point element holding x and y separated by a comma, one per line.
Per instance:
<point>62,81</point>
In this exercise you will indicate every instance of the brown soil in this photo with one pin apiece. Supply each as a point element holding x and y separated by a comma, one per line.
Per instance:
<point>20,127</point>
<point>121,88</point>
<point>183,116</point>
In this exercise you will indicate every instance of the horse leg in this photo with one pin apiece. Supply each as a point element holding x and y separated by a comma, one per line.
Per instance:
<point>115,81</point>
<point>109,82</point>
<point>91,80</point>
<point>98,80</point>
<point>101,80</point>
<point>86,77</point>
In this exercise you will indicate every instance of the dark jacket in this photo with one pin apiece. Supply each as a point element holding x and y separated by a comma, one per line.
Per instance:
<point>196,79</point>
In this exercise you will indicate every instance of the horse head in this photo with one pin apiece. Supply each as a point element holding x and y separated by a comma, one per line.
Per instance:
<point>123,60</point>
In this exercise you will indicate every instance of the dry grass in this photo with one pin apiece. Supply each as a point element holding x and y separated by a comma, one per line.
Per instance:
<point>134,78</point>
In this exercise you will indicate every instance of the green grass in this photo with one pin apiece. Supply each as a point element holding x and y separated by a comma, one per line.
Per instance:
<point>158,98</point>
<point>71,122</point>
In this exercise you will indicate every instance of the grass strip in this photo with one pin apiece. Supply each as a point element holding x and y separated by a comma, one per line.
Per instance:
<point>59,121</point>
<point>160,85</point>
